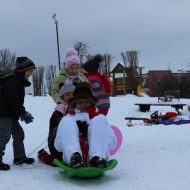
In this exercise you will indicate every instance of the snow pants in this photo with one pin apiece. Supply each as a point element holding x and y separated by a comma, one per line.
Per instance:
<point>12,127</point>
<point>101,137</point>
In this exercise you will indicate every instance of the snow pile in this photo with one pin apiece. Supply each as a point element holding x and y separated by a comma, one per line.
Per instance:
<point>151,157</point>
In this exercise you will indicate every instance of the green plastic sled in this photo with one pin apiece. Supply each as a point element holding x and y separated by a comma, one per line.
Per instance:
<point>85,171</point>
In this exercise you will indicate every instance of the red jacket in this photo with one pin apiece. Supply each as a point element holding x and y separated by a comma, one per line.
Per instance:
<point>101,88</point>
<point>92,111</point>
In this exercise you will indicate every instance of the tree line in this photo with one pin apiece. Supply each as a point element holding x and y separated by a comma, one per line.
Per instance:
<point>44,76</point>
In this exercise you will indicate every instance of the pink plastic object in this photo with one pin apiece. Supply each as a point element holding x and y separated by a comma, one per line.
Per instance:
<point>118,135</point>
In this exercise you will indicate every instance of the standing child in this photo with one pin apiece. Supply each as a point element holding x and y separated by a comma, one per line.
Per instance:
<point>66,93</point>
<point>100,84</point>
<point>12,108</point>
<point>99,134</point>
<point>69,74</point>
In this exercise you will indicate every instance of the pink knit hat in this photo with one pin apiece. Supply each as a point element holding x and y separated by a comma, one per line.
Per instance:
<point>71,57</point>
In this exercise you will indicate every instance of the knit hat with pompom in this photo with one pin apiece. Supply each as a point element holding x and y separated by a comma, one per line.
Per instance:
<point>93,64</point>
<point>71,58</point>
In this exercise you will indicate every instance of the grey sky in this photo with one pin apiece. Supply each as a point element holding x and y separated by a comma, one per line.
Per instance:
<point>159,29</point>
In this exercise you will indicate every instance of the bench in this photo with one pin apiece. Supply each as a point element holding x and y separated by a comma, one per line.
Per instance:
<point>169,95</point>
<point>144,107</point>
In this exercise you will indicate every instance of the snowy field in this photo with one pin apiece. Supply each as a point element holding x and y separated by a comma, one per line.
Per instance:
<point>151,157</point>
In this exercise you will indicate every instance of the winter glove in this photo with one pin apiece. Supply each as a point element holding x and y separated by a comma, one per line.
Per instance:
<point>26,117</point>
<point>83,128</point>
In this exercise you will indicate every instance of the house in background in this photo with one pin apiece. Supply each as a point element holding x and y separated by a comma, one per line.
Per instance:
<point>155,79</point>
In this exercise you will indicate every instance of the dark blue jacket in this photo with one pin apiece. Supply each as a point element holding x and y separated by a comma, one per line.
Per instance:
<point>12,93</point>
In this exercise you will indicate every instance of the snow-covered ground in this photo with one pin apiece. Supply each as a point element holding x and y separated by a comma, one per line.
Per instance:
<point>151,157</point>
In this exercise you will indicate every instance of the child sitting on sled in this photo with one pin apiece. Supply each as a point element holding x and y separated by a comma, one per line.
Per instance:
<point>100,136</point>
<point>65,94</point>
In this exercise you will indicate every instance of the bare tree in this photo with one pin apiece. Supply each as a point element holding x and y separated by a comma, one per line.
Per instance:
<point>50,76</point>
<point>131,59</point>
<point>131,64</point>
<point>7,61</point>
<point>38,81</point>
<point>124,57</point>
<point>82,50</point>
<point>106,64</point>
<point>188,63</point>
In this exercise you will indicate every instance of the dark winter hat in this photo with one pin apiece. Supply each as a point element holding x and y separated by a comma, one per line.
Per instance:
<point>93,64</point>
<point>23,64</point>
<point>83,90</point>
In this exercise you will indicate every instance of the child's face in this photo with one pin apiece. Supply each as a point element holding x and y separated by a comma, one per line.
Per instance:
<point>74,69</point>
<point>29,73</point>
<point>82,104</point>
<point>66,97</point>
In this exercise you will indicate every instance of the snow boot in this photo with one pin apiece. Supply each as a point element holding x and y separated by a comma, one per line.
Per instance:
<point>45,158</point>
<point>98,162</point>
<point>25,160</point>
<point>76,160</point>
<point>3,166</point>
<point>41,154</point>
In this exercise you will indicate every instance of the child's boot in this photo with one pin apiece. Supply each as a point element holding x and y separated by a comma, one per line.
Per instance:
<point>76,160</point>
<point>3,166</point>
<point>25,160</point>
<point>98,162</point>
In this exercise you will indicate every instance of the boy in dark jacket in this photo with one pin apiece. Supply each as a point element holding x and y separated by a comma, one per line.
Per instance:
<point>12,93</point>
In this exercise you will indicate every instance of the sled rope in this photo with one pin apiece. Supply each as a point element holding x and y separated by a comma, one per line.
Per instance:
<point>38,162</point>
<point>51,136</point>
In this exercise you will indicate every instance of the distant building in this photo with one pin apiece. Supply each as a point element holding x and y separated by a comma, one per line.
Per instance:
<point>154,79</point>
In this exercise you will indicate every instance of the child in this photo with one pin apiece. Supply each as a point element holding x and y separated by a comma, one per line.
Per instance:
<point>100,135</point>
<point>69,74</point>
<point>12,108</point>
<point>66,93</point>
<point>100,84</point>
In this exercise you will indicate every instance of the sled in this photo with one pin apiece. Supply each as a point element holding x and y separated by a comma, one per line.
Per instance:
<point>154,119</point>
<point>85,172</point>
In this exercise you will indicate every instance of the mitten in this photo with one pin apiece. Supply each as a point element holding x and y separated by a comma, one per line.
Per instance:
<point>83,128</point>
<point>26,117</point>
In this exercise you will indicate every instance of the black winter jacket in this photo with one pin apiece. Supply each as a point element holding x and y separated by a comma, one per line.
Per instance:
<point>12,93</point>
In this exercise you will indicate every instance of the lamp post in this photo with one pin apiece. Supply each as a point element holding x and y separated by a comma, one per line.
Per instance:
<point>56,24</point>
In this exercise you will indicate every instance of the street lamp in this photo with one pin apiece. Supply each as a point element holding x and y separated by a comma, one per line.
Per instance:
<point>56,24</point>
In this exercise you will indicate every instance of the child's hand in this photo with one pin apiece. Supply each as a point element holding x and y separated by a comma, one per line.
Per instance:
<point>83,128</point>
<point>26,117</point>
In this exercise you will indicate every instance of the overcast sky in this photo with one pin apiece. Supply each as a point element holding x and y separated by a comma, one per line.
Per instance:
<point>159,29</point>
